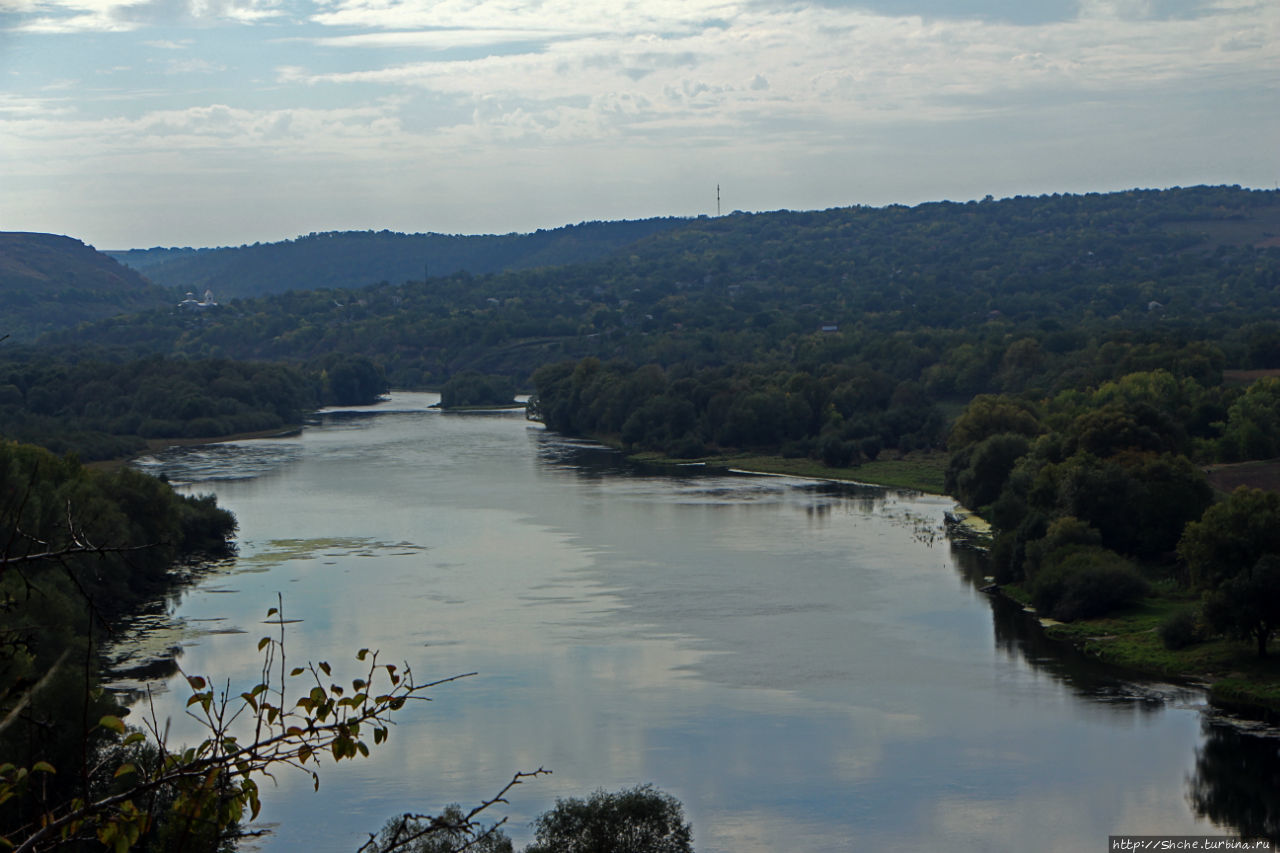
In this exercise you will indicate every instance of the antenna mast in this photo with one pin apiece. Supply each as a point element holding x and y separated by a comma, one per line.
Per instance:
<point>717,199</point>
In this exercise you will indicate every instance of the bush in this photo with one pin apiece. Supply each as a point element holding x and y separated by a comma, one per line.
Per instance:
<point>688,447</point>
<point>635,820</point>
<point>1180,630</point>
<point>1083,581</point>
<point>472,388</point>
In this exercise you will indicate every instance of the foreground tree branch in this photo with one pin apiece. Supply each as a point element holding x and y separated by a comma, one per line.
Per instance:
<point>286,721</point>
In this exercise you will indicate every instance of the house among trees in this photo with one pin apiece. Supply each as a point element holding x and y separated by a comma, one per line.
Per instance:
<point>190,303</point>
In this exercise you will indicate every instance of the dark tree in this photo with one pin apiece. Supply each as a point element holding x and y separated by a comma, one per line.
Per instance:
<point>635,820</point>
<point>1231,536</point>
<point>1248,605</point>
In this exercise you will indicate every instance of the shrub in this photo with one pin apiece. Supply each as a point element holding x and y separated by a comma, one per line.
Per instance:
<point>1180,630</point>
<point>636,820</point>
<point>1083,581</point>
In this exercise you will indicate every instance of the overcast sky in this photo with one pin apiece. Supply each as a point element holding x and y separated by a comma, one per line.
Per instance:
<point>135,123</point>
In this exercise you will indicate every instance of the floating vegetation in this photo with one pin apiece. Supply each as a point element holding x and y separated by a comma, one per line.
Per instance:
<point>276,552</point>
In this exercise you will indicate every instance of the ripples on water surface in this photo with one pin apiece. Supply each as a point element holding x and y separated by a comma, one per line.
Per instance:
<point>806,666</point>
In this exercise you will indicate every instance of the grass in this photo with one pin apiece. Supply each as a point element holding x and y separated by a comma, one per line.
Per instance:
<point>921,471</point>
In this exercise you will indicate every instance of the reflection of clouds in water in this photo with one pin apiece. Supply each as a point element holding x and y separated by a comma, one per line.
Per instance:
<point>144,650</point>
<point>782,654</point>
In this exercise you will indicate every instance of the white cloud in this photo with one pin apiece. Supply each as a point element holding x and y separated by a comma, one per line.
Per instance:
<point>76,16</point>
<point>533,94</point>
<point>192,66</point>
<point>762,68</point>
<point>437,39</point>
<point>20,107</point>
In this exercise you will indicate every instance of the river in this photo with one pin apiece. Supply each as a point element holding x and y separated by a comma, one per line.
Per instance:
<point>806,666</point>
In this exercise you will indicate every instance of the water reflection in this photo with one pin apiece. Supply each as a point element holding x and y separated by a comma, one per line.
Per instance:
<point>803,663</point>
<point>1236,782</point>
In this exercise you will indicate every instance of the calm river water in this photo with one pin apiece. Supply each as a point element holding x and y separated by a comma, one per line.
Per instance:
<point>807,667</point>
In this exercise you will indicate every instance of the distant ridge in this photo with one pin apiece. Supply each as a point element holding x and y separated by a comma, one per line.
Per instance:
<point>346,259</point>
<point>49,282</point>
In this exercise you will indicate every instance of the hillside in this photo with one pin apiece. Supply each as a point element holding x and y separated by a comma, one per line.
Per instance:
<point>348,259</point>
<point>51,282</point>
<point>943,287</point>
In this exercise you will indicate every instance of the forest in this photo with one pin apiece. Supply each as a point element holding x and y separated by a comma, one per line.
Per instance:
<point>344,259</point>
<point>103,409</point>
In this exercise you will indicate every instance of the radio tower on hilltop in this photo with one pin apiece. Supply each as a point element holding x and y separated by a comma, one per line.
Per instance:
<point>717,199</point>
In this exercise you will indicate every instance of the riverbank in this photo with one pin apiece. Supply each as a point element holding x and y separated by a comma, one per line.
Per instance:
<point>921,471</point>
<point>1238,680</point>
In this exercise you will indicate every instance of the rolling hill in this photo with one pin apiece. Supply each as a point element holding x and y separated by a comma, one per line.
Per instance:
<point>348,259</point>
<point>52,282</point>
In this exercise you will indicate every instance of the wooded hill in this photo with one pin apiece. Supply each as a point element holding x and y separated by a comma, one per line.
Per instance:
<point>50,282</point>
<point>939,289</point>
<point>352,259</point>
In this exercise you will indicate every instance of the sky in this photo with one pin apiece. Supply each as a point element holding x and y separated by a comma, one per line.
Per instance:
<point>139,123</point>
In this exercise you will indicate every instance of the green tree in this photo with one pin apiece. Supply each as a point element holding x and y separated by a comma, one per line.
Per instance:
<point>1247,606</point>
<point>978,473</point>
<point>988,415</point>
<point>1253,423</point>
<point>1231,537</point>
<point>635,820</point>
<point>472,388</point>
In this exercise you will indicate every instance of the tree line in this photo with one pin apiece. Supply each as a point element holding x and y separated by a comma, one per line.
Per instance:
<point>101,409</point>
<point>1094,491</point>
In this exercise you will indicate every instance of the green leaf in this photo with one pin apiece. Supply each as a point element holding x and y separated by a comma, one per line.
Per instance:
<point>362,654</point>
<point>272,612</point>
<point>123,769</point>
<point>112,722</point>
<point>324,667</point>
<point>263,643</point>
<point>196,682</point>
<point>296,671</point>
<point>42,767</point>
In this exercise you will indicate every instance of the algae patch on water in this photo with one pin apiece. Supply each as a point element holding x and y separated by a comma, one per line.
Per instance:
<point>276,552</point>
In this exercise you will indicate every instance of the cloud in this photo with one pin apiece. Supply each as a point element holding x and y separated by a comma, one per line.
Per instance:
<point>731,68</point>
<point>76,16</point>
<point>20,107</point>
<point>438,39</point>
<point>780,94</point>
<point>192,66</point>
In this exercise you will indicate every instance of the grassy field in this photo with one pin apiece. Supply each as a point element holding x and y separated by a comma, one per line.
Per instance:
<point>924,472</point>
